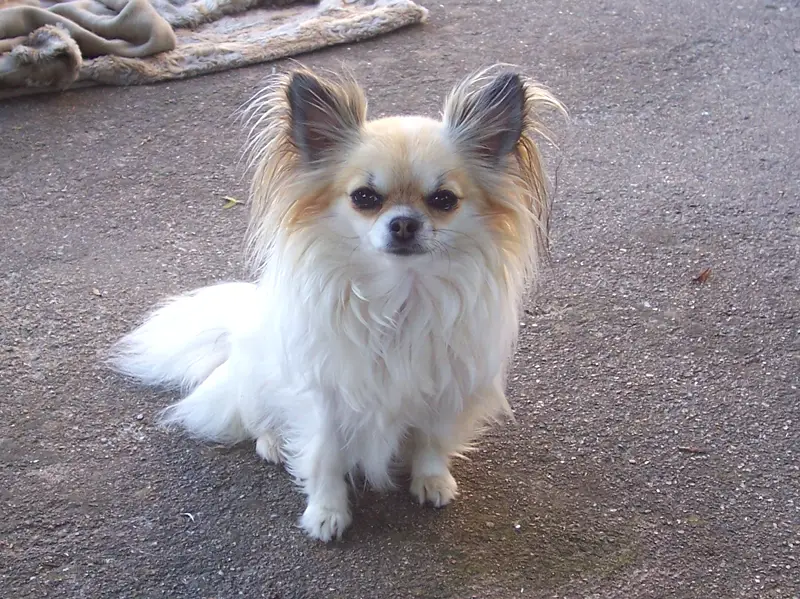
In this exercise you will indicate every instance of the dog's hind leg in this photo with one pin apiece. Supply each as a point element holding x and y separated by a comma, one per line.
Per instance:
<point>269,446</point>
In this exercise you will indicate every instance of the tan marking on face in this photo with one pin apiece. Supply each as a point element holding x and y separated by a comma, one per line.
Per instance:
<point>309,207</point>
<point>502,220</point>
<point>406,159</point>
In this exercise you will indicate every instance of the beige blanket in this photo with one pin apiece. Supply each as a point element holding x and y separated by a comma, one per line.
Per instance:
<point>48,45</point>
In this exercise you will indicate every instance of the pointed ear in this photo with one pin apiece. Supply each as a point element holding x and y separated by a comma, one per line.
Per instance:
<point>325,115</point>
<point>488,122</point>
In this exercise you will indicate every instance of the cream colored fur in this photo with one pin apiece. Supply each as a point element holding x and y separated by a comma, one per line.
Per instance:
<point>362,347</point>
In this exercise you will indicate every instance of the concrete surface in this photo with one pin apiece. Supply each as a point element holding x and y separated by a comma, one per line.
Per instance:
<point>683,155</point>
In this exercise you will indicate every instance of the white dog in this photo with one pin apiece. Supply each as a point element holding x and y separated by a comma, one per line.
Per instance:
<point>393,256</point>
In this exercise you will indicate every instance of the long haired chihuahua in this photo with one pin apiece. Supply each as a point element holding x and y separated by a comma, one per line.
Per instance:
<point>392,259</point>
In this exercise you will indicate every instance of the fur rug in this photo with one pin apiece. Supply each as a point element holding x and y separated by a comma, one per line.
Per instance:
<point>49,45</point>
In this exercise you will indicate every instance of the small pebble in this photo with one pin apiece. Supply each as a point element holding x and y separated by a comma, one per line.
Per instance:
<point>139,416</point>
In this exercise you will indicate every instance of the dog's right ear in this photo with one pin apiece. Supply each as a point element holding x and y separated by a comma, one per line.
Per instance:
<point>325,115</point>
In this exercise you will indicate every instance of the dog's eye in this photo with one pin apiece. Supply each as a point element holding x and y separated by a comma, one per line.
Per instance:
<point>443,200</point>
<point>365,198</point>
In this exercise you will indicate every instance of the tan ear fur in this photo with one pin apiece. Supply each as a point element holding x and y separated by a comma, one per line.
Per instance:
<point>291,172</point>
<point>514,182</point>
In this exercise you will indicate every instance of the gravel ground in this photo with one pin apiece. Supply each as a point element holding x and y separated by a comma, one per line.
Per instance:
<point>655,449</point>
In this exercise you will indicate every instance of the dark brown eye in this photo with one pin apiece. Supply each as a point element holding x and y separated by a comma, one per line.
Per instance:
<point>365,198</point>
<point>443,200</point>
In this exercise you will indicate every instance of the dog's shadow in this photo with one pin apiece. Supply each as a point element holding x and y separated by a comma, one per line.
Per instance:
<point>509,528</point>
<point>506,529</point>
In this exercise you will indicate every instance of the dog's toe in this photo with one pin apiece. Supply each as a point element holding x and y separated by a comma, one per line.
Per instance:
<point>325,522</point>
<point>436,490</point>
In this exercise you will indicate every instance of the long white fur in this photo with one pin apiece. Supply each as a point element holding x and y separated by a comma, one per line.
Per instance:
<point>340,361</point>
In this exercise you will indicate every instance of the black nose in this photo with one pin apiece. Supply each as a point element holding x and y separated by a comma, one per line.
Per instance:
<point>404,228</point>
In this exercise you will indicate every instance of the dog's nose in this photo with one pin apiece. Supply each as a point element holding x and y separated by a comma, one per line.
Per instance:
<point>404,228</point>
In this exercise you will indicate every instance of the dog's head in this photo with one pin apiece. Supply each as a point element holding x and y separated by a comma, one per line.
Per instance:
<point>405,192</point>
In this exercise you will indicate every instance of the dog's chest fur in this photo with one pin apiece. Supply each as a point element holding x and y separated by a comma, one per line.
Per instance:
<point>406,346</point>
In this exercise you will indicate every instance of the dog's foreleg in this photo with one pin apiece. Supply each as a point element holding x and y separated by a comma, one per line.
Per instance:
<point>431,481</point>
<point>321,467</point>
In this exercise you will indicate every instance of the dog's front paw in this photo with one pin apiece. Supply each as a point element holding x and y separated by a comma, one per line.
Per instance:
<point>325,522</point>
<point>437,490</point>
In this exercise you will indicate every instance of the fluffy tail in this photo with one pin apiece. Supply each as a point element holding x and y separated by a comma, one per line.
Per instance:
<point>185,344</point>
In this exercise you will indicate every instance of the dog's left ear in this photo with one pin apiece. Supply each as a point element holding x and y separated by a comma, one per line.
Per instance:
<point>487,122</point>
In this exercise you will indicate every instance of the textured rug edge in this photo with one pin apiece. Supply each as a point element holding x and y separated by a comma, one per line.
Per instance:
<point>348,25</point>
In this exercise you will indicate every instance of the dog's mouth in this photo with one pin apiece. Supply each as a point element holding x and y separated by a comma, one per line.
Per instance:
<point>406,250</point>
